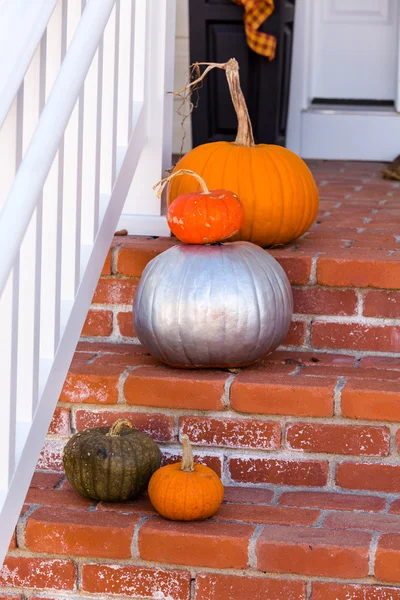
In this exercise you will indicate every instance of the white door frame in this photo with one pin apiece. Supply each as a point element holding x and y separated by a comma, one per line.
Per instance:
<point>334,133</point>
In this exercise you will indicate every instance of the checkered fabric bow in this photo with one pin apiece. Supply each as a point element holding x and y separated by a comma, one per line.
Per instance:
<point>255,13</point>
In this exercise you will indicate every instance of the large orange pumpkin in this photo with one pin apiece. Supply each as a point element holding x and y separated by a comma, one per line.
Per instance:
<point>276,187</point>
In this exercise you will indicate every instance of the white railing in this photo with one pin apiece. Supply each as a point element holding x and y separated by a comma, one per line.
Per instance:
<point>83,110</point>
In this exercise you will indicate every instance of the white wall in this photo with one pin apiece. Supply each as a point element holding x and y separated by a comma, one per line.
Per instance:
<point>181,73</point>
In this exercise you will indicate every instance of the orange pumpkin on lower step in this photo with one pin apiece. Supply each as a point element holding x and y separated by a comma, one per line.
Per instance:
<point>276,187</point>
<point>186,491</point>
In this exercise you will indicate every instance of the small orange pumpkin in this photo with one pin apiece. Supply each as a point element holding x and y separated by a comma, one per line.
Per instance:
<point>186,491</point>
<point>203,217</point>
<point>276,187</point>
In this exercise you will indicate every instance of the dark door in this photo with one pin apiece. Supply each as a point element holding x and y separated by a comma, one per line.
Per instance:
<point>216,35</point>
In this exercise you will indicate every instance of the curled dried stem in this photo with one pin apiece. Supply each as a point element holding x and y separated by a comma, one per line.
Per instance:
<point>231,67</point>
<point>163,182</point>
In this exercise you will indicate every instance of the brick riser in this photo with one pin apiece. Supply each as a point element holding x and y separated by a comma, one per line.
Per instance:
<point>345,271</point>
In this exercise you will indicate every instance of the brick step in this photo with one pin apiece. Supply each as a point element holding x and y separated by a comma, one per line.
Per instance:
<point>302,419</point>
<point>264,544</point>
<point>345,271</point>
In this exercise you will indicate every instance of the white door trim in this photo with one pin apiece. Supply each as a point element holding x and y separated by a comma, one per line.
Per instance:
<point>322,132</point>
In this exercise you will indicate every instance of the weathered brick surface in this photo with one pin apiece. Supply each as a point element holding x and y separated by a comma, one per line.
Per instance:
<point>315,552</point>
<point>347,591</point>
<point>135,582</point>
<point>79,533</point>
<point>279,471</point>
<point>212,586</point>
<point>217,545</point>
<point>338,439</point>
<point>236,433</point>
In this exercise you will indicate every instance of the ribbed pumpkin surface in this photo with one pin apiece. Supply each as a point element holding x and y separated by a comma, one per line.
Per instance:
<point>110,468</point>
<point>276,187</point>
<point>182,496</point>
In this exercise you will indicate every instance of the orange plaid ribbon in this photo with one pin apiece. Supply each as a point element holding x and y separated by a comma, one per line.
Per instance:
<point>255,13</point>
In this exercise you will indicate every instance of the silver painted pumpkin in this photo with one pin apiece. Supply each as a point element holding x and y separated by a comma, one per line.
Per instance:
<point>213,306</point>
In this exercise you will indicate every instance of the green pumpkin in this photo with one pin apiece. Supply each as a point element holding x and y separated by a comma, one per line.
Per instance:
<point>111,463</point>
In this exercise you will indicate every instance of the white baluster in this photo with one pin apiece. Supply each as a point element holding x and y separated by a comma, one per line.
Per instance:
<point>7,407</point>
<point>50,249</point>
<point>157,154</point>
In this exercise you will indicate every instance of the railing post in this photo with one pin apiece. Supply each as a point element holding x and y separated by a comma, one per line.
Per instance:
<point>142,210</point>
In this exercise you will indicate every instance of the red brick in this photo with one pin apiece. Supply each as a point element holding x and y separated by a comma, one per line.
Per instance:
<point>92,384</point>
<point>359,269</point>
<point>382,304</point>
<point>315,552</point>
<point>250,495</point>
<point>344,591</point>
<point>320,301</point>
<point>137,252</point>
<point>60,422</point>
<point>296,266</point>
<point>281,472</point>
<point>214,462</point>
<point>45,481</point>
<point>352,373</point>
<point>80,533</point>
<point>311,359</point>
<point>212,544</point>
<point>356,336</point>
<point>395,507</point>
<point>114,290</point>
<point>332,501</point>
<point>50,458</point>
<point>59,498</point>
<point>138,582</point>
<point>375,400</point>
<point>128,360</point>
<point>365,522</point>
<point>106,270</point>
<point>296,335</point>
<point>173,388</point>
<point>358,476</point>
<point>233,433</point>
<point>141,506</point>
<point>263,393</point>
<point>215,586</point>
<point>125,324</point>
<point>387,558</point>
<point>38,573</point>
<point>338,439</point>
<point>8,597</point>
<point>111,348</point>
<point>99,323</point>
<point>380,362</point>
<point>266,514</point>
<point>374,241</point>
<point>157,426</point>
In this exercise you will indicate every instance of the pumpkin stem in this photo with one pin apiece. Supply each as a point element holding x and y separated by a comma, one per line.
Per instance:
<point>161,184</point>
<point>187,455</point>
<point>244,135</point>
<point>116,428</point>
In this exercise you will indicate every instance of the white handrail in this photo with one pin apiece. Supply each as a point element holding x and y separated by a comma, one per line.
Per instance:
<point>27,20</point>
<point>20,204</point>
